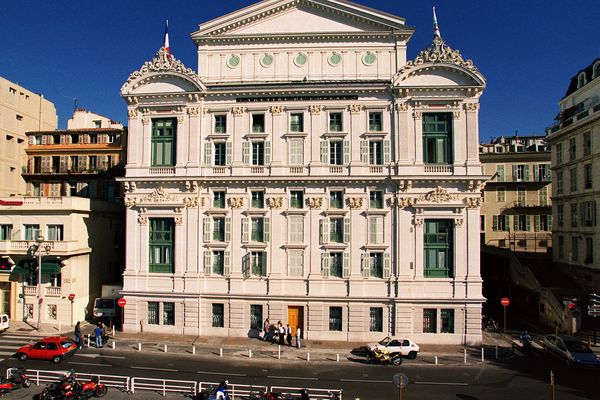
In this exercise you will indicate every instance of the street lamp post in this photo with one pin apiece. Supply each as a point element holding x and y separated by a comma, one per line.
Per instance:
<point>40,240</point>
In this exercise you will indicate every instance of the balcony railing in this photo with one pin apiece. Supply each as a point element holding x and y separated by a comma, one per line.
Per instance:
<point>575,114</point>
<point>49,291</point>
<point>439,169</point>
<point>336,170</point>
<point>296,170</point>
<point>161,171</point>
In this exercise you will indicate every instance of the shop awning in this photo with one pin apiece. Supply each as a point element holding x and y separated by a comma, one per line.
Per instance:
<point>29,266</point>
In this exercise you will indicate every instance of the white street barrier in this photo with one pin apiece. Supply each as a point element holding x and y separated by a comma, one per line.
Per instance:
<point>313,393</point>
<point>163,386</point>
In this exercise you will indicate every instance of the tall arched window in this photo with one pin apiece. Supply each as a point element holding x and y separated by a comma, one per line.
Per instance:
<point>581,80</point>
<point>596,70</point>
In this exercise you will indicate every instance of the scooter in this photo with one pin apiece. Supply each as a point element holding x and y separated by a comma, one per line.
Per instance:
<point>384,357</point>
<point>16,381</point>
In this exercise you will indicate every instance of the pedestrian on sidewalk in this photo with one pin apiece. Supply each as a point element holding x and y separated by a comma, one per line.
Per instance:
<point>98,335</point>
<point>281,331</point>
<point>104,332</point>
<point>288,336</point>
<point>298,332</point>
<point>266,327</point>
<point>78,334</point>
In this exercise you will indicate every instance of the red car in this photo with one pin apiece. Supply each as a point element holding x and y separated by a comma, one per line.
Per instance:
<point>55,348</point>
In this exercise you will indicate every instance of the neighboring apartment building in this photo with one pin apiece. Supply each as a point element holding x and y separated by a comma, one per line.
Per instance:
<point>307,173</point>
<point>575,141</point>
<point>82,160</point>
<point>517,209</point>
<point>20,111</point>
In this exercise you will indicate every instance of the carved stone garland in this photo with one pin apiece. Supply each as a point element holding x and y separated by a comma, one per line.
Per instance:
<point>276,110</point>
<point>355,202</point>
<point>439,195</point>
<point>237,111</point>
<point>439,52</point>
<point>158,196</point>
<point>315,109</point>
<point>275,202</point>
<point>236,202</point>
<point>315,202</point>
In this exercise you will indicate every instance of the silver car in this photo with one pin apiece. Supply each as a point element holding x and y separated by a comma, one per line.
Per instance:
<point>571,350</point>
<point>406,347</point>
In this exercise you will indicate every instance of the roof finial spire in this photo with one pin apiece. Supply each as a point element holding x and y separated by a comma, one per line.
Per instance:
<point>436,29</point>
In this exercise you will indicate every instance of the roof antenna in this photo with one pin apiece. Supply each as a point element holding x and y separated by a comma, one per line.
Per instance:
<point>75,101</point>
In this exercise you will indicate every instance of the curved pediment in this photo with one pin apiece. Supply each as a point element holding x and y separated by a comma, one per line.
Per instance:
<point>163,74</point>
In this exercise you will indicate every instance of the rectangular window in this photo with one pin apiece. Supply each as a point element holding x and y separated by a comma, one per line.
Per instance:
<point>500,173</point>
<point>335,122</point>
<point>559,154</point>
<point>297,122</point>
<point>588,213</point>
<point>375,229</point>
<point>163,142</point>
<point>296,151</point>
<point>335,319</point>
<point>573,180</point>
<point>296,229</point>
<point>376,199</point>
<point>336,152</point>
<point>220,154</point>
<point>168,313</point>
<point>113,138</point>
<point>162,243</point>
<point>218,229</point>
<point>32,232</point>
<point>587,176</point>
<point>542,173</point>
<point>219,199</point>
<point>429,320</point>
<point>256,316</point>
<point>153,313</point>
<point>561,247</point>
<point>55,232</point>
<point>376,319</point>
<point>375,121</point>
<point>521,196</point>
<point>74,138</point>
<point>218,315</point>
<point>258,123</point>
<point>574,214</point>
<point>295,263</point>
<point>376,152</point>
<point>560,214</point>
<point>336,264</point>
<point>574,248</point>
<point>258,261</point>
<point>572,148</point>
<point>258,199</point>
<point>93,138</point>
<point>589,250</point>
<point>438,248</point>
<point>376,265</point>
<point>437,138</point>
<point>559,182</point>
<point>501,194</point>
<point>587,143</point>
<point>447,321</point>
<point>6,232</point>
<point>336,230</point>
<point>258,153</point>
<point>218,262</point>
<point>296,199</point>
<point>220,123</point>
<point>92,162</point>
<point>543,196</point>
<point>336,199</point>
<point>482,223</point>
<point>257,229</point>
<point>521,223</point>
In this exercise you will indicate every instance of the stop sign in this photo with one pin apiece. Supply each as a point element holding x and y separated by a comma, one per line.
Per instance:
<point>504,301</point>
<point>121,302</point>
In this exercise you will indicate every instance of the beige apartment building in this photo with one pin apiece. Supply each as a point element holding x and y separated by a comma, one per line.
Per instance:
<point>575,141</point>
<point>516,212</point>
<point>21,111</point>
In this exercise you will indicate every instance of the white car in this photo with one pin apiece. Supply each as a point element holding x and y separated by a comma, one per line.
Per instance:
<point>406,347</point>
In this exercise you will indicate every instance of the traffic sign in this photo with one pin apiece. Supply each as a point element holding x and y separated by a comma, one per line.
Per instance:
<point>400,380</point>
<point>504,301</point>
<point>121,302</point>
<point>72,296</point>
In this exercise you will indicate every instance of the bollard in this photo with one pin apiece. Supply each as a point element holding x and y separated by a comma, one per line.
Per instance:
<point>165,349</point>
<point>113,331</point>
<point>279,352</point>
<point>496,352</point>
<point>436,360</point>
<point>465,355</point>
<point>139,346</point>
<point>307,356</point>
<point>59,327</point>
<point>337,358</point>
<point>112,345</point>
<point>482,355</point>
<point>193,349</point>
<point>221,352</point>
<point>88,341</point>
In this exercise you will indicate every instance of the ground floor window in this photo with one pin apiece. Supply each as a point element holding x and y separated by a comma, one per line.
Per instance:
<point>429,320</point>
<point>376,319</point>
<point>168,313</point>
<point>256,312</point>
<point>154,313</point>
<point>218,319</point>
<point>447,321</point>
<point>335,319</point>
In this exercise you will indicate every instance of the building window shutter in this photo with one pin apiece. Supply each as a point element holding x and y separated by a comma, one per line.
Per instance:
<point>246,265</point>
<point>325,230</point>
<point>207,262</point>
<point>207,229</point>
<point>364,151</point>
<point>515,223</point>
<point>325,264</point>
<point>245,230</point>
<point>267,152</point>
<point>264,264</point>
<point>386,152</point>
<point>536,220</point>
<point>63,163</point>
<point>536,172</point>
<point>226,263</point>
<point>228,153</point>
<point>267,229</point>
<point>514,173</point>
<point>228,229</point>
<point>346,144</point>
<point>582,214</point>
<point>246,152</point>
<point>346,266</point>
<point>324,151</point>
<point>365,266</point>
<point>528,223</point>
<point>550,227</point>
<point>208,153</point>
<point>526,173</point>
<point>594,213</point>
<point>387,272</point>
<point>495,223</point>
<point>346,229</point>
<point>44,139</point>
<point>31,140</point>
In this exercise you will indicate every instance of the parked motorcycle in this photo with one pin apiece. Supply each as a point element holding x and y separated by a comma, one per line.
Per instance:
<point>93,388</point>
<point>384,357</point>
<point>69,388</point>
<point>17,380</point>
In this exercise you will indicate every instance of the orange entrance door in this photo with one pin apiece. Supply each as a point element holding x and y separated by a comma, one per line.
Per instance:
<point>296,318</point>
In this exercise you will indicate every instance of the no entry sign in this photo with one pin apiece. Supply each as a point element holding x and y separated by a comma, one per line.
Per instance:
<point>504,301</point>
<point>121,302</point>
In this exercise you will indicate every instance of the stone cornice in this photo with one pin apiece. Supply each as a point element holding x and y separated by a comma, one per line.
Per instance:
<point>323,37</point>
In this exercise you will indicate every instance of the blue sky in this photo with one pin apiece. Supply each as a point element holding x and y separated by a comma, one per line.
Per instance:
<point>527,49</point>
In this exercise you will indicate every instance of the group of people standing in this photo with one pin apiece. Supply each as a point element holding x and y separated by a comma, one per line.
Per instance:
<point>100,334</point>
<point>284,333</point>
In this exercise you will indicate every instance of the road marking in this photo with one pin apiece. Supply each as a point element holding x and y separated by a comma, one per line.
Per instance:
<point>7,353</point>
<point>117,357</point>
<point>98,356</point>
<point>304,378</point>
<point>156,369</point>
<point>442,383</point>
<point>363,380</point>
<point>94,364</point>
<point>220,373</point>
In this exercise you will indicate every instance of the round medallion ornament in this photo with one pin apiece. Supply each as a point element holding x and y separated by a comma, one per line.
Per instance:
<point>300,59</point>
<point>266,60</point>
<point>369,58</point>
<point>335,59</point>
<point>233,61</point>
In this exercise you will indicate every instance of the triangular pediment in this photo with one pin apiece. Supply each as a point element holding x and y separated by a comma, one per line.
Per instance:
<point>277,17</point>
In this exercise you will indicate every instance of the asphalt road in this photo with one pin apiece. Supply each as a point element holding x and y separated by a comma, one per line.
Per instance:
<point>518,377</point>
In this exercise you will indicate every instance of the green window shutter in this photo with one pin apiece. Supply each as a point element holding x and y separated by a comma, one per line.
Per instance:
<point>246,152</point>
<point>346,146</point>
<point>207,229</point>
<point>208,153</point>
<point>528,223</point>
<point>228,229</point>
<point>514,173</point>
<point>536,223</point>
<point>495,223</point>
<point>364,151</point>
<point>387,270</point>
<point>346,229</point>
<point>526,172</point>
<point>245,229</point>
<point>207,262</point>
<point>365,267</point>
<point>515,223</point>
<point>506,222</point>
<point>550,221</point>
<point>228,153</point>
<point>372,234</point>
<point>267,230</point>
<point>593,212</point>
<point>325,264</point>
<point>386,152</point>
<point>346,266</point>
<point>226,263</point>
<point>267,152</point>
<point>325,230</point>
<point>535,172</point>
<point>325,151</point>
<point>264,264</point>
<point>246,265</point>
